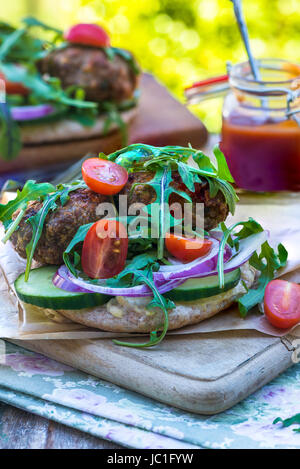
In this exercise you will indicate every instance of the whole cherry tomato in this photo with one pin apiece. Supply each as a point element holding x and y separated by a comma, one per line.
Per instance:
<point>103,176</point>
<point>87,34</point>
<point>282,303</point>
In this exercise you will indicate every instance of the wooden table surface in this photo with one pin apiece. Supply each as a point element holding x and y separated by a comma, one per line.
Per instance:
<point>21,430</point>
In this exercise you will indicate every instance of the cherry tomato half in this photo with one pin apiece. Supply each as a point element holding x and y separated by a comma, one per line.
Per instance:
<point>14,88</point>
<point>88,34</point>
<point>105,249</point>
<point>187,249</point>
<point>282,303</point>
<point>103,176</point>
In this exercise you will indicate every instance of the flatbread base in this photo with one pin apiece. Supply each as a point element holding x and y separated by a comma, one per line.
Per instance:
<point>64,141</point>
<point>64,130</point>
<point>130,314</point>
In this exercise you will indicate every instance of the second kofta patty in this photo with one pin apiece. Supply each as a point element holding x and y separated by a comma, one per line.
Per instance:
<point>101,78</point>
<point>60,225</point>
<point>215,208</point>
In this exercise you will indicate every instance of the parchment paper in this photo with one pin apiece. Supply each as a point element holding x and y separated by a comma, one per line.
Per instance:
<point>280,214</point>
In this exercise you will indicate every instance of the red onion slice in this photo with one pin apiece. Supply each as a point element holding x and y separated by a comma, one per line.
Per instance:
<point>65,280</point>
<point>192,269</point>
<point>210,255</point>
<point>207,266</point>
<point>27,113</point>
<point>168,277</point>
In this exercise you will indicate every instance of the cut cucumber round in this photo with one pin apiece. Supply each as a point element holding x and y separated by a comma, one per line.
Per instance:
<point>197,288</point>
<point>40,291</point>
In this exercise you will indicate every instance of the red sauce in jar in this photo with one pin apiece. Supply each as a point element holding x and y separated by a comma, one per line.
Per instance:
<point>262,156</point>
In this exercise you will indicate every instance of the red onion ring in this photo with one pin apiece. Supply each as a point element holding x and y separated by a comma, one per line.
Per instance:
<point>168,277</point>
<point>27,113</point>
<point>65,280</point>
<point>192,269</point>
<point>206,266</point>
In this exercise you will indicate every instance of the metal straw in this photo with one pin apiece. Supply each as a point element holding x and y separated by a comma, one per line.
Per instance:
<point>237,6</point>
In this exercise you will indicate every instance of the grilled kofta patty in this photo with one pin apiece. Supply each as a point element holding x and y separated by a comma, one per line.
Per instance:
<point>60,225</point>
<point>215,208</point>
<point>101,78</point>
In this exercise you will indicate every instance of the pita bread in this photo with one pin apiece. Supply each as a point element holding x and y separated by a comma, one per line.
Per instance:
<point>64,130</point>
<point>64,141</point>
<point>130,314</point>
<point>127,315</point>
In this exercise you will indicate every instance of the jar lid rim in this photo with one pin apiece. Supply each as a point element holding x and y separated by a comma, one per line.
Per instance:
<point>235,71</point>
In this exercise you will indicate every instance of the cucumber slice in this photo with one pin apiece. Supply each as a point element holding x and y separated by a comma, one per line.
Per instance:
<point>40,291</point>
<point>197,288</point>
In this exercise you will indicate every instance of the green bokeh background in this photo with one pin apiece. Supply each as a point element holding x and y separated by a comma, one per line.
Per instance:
<point>180,41</point>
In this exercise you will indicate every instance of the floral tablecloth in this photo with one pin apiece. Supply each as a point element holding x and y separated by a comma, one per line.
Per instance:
<point>58,392</point>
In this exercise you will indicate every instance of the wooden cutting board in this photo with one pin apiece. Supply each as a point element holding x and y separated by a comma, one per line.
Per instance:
<point>201,373</point>
<point>160,120</point>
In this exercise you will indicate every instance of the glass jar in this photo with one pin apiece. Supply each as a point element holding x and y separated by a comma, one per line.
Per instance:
<point>260,126</point>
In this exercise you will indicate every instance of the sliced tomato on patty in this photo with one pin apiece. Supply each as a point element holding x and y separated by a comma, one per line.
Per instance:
<point>103,176</point>
<point>14,87</point>
<point>104,249</point>
<point>187,249</point>
<point>282,303</point>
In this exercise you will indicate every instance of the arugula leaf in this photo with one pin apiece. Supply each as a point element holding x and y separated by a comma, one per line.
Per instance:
<point>10,42</point>
<point>139,245</point>
<point>14,225</point>
<point>141,157</point>
<point>216,185</point>
<point>289,421</point>
<point>78,238</point>
<point>19,52</point>
<point>158,301</point>
<point>10,135</point>
<point>159,209</point>
<point>18,45</point>
<point>86,117</point>
<point>143,262</point>
<point>126,55</point>
<point>138,271</point>
<point>30,21</point>
<point>30,191</point>
<point>6,28</point>
<point>164,192</point>
<point>37,221</point>
<point>267,262</point>
<point>162,161</point>
<point>187,176</point>
<point>40,87</point>
<point>223,170</point>
<point>114,117</point>
<point>204,164</point>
